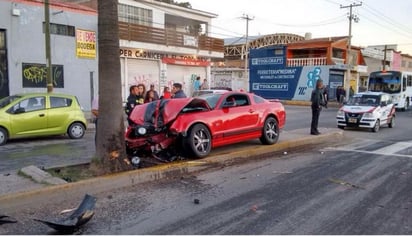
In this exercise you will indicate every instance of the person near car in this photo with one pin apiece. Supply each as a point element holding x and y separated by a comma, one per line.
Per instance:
<point>166,93</point>
<point>317,101</point>
<point>132,101</point>
<point>205,85</point>
<point>150,96</point>
<point>340,95</point>
<point>196,84</point>
<point>177,91</point>
<point>156,94</point>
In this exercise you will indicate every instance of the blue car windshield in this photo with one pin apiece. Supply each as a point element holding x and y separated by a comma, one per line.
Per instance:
<point>7,100</point>
<point>211,99</point>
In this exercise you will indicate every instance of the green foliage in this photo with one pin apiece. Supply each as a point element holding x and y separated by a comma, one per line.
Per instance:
<point>182,4</point>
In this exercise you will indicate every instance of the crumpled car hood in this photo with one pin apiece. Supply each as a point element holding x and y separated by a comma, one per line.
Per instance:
<point>161,112</point>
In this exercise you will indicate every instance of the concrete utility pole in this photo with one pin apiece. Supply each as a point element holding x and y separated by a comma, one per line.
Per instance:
<point>49,80</point>
<point>246,52</point>
<point>348,64</point>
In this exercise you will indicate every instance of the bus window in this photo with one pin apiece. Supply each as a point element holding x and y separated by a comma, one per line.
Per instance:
<point>404,82</point>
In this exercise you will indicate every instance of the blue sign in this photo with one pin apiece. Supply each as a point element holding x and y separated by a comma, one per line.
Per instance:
<point>269,76</point>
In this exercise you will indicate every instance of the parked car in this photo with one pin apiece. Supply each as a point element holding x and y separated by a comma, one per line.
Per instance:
<point>367,110</point>
<point>40,114</point>
<point>193,126</point>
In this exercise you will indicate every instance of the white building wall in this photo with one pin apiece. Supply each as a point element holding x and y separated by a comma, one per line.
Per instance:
<point>26,44</point>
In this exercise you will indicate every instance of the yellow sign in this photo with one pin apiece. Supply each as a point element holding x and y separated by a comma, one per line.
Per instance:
<point>85,44</point>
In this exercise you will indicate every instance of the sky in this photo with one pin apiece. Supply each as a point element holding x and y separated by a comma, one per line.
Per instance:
<point>380,21</point>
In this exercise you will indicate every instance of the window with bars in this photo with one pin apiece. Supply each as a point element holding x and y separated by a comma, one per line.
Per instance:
<point>135,15</point>
<point>59,29</point>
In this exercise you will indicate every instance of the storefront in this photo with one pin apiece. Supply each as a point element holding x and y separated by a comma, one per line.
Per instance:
<point>161,69</point>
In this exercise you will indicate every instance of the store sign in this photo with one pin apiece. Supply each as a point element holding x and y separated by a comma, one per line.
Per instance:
<point>85,44</point>
<point>136,53</point>
<point>185,62</point>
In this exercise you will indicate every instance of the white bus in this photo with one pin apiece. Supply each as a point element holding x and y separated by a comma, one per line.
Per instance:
<point>396,83</point>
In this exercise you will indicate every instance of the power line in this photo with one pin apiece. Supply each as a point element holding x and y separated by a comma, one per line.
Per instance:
<point>315,24</point>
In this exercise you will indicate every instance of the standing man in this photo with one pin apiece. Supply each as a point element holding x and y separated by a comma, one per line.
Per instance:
<point>177,91</point>
<point>156,94</point>
<point>318,100</point>
<point>196,84</point>
<point>132,101</point>
<point>204,85</point>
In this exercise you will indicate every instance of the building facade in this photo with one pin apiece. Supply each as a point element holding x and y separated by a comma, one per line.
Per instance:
<point>22,48</point>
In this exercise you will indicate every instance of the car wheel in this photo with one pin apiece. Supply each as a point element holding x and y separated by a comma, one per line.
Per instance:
<point>270,131</point>
<point>392,123</point>
<point>376,127</point>
<point>76,131</point>
<point>3,136</point>
<point>198,141</point>
<point>341,127</point>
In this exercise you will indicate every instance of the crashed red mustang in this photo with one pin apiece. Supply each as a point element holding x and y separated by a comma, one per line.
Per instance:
<point>191,127</point>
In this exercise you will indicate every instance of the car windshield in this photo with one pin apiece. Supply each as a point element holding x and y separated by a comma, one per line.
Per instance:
<point>211,99</point>
<point>7,100</point>
<point>364,100</point>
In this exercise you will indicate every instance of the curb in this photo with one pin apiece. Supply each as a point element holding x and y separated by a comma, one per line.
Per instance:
<point>16,201</point>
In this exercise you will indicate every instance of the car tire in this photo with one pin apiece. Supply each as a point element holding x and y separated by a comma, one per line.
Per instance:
<point>392,122</point>
<point>76,130</point>
<point>376,127</point>
<point>198,142</point>
<point>270,132</point>
<point>4,136</point>
<point>341,127</point>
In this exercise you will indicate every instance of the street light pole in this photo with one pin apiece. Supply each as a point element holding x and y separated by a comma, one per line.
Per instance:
<point>246,52</point>
<point>49,79</point>
<point>348,64</point>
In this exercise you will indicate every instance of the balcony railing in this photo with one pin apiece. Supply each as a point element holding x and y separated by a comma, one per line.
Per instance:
<point>315,61</point>
<point>141,33</point>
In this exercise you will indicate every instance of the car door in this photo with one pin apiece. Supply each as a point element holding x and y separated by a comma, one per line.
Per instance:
<point>59,114</point>
<point>386,110</point>
<point>240,118</point>
<point>28,117</point>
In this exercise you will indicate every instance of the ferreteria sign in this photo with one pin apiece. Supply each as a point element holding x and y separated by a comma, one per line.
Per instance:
<point>144,54</point>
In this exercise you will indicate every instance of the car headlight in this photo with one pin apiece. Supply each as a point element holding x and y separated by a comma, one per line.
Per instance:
<point>341,113</point>
<point>142,130</point>
<point>368,115</point>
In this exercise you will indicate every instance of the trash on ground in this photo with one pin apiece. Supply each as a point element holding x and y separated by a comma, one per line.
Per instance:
<point>6,220</point>
<point>341,182</point>
<point>80,216</point>
<point>196,201</point>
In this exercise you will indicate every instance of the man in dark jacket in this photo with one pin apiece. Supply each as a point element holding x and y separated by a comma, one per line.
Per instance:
<point>318,100</point>
<point>132,101</point>
<point>177,91</point>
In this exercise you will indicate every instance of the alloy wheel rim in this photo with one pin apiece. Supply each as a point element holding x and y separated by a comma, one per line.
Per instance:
<point>201,141</point>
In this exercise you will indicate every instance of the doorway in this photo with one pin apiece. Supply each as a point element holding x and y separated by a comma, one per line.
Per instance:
<point>4,80</point>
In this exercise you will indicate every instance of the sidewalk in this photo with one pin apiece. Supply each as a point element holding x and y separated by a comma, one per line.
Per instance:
<point>17,191</point>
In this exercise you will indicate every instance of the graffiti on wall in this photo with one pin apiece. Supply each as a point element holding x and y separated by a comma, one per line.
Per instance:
<point>35,75</point>
<point>313,76</point>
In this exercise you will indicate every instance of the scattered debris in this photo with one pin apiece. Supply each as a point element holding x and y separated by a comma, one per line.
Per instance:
<point>243,178</point>
<point>285,153</point>
<point>196,201</point>
<point>281,172</point>
<point>341,182</point>
<point>6,220</point>
<point>67,210</point>
<point>80,216</point>
<point>7,174</point>
<point>254,208</point>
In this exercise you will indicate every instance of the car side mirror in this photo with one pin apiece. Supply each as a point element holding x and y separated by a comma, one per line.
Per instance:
<point>383,104</point>
<point>229,104</point>
<point>20,110</point>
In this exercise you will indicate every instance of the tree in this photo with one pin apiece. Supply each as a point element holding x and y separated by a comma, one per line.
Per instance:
<point>110,143</point>
<point>182,4</point>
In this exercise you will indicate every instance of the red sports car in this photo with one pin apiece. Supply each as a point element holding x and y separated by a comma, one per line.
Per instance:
<point>191,127</point>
